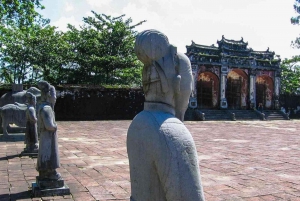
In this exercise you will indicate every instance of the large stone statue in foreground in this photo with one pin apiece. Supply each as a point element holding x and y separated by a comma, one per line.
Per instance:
<point>162,154</point>
<point>49,181</point>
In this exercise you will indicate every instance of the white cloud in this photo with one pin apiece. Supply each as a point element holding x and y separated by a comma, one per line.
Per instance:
<point>262,23</point>
<point>62,23</point>
<point>98,3</point>
<point>69,6</point>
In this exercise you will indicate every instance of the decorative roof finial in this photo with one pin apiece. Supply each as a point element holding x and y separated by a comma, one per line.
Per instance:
<point>268,49</point>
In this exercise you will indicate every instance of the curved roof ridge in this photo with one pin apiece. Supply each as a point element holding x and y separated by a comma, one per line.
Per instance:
<point>231,41</point>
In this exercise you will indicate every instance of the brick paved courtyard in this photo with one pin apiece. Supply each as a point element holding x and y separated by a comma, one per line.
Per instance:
<point>251,160</point>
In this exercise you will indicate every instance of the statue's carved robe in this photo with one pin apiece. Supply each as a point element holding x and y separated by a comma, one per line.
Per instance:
<point>48,157</point>
<point>162,157</point>
<point>31,136</point>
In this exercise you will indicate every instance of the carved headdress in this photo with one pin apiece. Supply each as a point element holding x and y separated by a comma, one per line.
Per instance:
<point>31,98</point>
<point>152,47</point>
<point>44,86</point>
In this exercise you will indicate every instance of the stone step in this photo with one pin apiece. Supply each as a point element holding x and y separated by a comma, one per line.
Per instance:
<point>216,115</point>
<point>274,115</point>
<point>225,115</point>
<point>245,114</point>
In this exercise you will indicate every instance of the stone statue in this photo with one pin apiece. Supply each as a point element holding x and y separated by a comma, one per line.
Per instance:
<point>31,136</point>
<point>162,154</point>
<point>14,102</point>
<point>13,114</point>
<point>48,157</point>
<point>19,97</point>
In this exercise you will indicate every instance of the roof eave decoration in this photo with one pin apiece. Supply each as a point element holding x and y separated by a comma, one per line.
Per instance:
<point>236,42</point>
<point>211,47</point>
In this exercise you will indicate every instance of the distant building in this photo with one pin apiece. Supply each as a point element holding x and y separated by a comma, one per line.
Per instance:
<point>232,75</point>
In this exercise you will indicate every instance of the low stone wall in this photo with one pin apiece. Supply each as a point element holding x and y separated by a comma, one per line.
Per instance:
<point>95,103</point>
<point>98,104</point>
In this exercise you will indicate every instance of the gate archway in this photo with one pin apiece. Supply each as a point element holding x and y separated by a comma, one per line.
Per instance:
<point>264,91</point>
<point>237,89</point>
<point>208,90</point>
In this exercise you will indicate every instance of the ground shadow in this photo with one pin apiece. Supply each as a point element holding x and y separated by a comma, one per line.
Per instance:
<point>5,197</point>
<point>9,157</point>
<point>20,195</point>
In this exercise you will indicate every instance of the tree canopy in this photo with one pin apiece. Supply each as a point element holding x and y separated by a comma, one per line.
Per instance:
<point>101,51</point>
<point>290,75</point>
<point>20,12</point>
<point>295,20</point>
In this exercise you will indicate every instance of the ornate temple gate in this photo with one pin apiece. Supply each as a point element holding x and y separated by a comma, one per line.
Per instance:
<point>233,93</point>
<point>205,93</point>
<point>232,75</point>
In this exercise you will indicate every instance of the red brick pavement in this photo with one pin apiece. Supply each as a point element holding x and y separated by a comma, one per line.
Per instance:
<point>251,160</point>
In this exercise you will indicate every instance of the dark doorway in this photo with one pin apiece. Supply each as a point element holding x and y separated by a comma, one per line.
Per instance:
<point>261,89</point>
<point>233,93</point>
<point>205,94</point>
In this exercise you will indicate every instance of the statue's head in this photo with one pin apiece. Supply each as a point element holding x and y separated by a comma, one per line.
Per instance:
<point>48,92</point>
<point>30,99</point>
<point>166,74</point>
<point>151,45</point>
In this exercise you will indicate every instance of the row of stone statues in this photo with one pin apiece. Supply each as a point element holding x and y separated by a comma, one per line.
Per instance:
<point>49,181</point>
<point>41,138</point>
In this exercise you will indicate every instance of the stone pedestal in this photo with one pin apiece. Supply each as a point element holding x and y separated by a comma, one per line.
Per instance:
<point>42,188</point>
<point>31,153</point>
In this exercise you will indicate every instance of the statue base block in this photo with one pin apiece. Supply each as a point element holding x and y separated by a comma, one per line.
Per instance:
<point>42,188</point>
<point>31,153</point>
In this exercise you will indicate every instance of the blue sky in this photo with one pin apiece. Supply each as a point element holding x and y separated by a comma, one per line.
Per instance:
<point>262,23</point>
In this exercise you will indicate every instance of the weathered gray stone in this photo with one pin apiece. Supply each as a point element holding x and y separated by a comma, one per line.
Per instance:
<point>48,158</point>
<point>14,101</point>
<point>39,192</point>
<point>13,114</point>
<point>49,181</point>
<point>19,97</point>
<point>162,154</point>
<point>31,135</point>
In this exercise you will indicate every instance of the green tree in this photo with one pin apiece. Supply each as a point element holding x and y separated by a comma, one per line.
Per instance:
<point>19,12</point>
<point>48,54</point>
<point>290,75</point>
<point>18,21</point>
<point>295,20</point>
<point>33,54</point>
<point>14,55</point>
<point>104,50</point>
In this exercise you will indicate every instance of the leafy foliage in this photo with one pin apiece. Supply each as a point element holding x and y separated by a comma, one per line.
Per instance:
<point>100,52</point>
<point>20,12</point>
<point>295,20</point>
<point>32,54</point>
<point>290,75</point>
<point>104,51</point>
